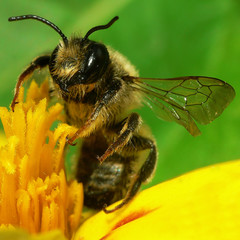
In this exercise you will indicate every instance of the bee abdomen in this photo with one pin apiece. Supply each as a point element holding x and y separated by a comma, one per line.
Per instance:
<point>107,183</point>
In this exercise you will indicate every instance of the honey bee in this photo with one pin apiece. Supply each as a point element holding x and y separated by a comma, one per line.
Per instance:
<point>100,88</point>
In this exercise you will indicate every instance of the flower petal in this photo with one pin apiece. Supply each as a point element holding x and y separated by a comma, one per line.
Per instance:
<point>203,204</point>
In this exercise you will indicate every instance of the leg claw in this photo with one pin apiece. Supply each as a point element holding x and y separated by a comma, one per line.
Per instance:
<point>13,105</point>
<point>100,159</point>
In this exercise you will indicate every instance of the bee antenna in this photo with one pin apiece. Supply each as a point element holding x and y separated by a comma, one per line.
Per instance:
<point>41,19</point>
<point>100,27</point>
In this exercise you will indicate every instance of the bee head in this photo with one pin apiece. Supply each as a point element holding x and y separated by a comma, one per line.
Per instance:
<point>80,62</point>
<point>77,60</point>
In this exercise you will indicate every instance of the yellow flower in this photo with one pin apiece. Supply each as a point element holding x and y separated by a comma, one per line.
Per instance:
<point>34,193</point>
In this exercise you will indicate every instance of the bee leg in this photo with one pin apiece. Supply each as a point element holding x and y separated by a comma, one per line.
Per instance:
<point>39,62</point>
<point>90,125</point>
<point>132,123</point>
<point>143,174</point>
<point>79,132</point>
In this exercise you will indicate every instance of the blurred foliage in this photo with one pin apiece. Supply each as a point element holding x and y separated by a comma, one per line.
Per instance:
<point>162,39</point>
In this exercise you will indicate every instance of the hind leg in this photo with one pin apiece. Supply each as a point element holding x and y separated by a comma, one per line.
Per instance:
<point>139,143</point>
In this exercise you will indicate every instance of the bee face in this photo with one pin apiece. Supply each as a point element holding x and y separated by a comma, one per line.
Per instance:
<point>80,62</point>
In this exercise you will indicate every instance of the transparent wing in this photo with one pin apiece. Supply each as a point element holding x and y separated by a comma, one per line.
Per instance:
<point>185,98</point>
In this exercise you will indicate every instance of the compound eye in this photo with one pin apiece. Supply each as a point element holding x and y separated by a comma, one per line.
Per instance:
<point>94,65</point>
<point>96,62</point>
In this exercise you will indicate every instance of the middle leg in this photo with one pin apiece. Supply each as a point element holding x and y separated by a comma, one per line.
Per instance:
<point>132,123</point>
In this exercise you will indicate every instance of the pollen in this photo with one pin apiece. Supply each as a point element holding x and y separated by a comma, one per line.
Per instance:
<point>34,192</point>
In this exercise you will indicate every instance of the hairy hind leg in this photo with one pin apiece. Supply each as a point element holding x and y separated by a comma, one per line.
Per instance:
<point>139,143</point>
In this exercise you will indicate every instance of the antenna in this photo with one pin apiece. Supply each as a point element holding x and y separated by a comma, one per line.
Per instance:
<point>100,27</point>
<point>41,19</point>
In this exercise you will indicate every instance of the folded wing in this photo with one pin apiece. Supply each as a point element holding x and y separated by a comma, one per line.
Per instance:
<point>186,99</point>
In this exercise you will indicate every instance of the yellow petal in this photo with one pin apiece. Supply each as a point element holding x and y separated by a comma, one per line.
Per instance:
<point>203,204</point>
<point>3,140</point>
<point>34,192</point>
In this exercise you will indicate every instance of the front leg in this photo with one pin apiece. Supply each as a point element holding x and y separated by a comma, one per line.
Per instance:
<point>94,120</point>
<point>39,62</point>
<point>131,125</point>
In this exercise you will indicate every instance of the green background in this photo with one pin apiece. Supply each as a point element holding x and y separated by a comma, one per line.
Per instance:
<point>162,38</point>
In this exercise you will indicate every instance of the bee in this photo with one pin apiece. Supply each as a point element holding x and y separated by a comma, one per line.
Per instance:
<point>100,88</point>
